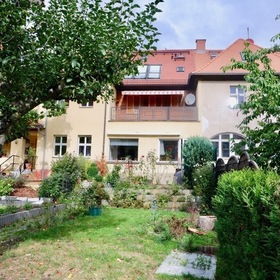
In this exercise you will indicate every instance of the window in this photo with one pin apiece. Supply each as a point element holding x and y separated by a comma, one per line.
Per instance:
<point>242,56</point>
<point>87,104</point>
<point>123,149</point>
<point>180,69</point>
<point>224,144</point>
<point>168,150</point>
<point>60,145</point>
<point>213,55</point>
<point>237,96</point>
<point>85,146</point>
<point>146,72</point>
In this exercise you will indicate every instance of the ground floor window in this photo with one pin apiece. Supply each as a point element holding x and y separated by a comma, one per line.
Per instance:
<point>224,143</point>
<point>85,146</point>
<point>123,149</point>
<point>60,145</point>
<point>168,150</point>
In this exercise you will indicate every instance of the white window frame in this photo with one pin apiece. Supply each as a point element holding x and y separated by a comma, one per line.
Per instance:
<point>180,69</point>
<point>88,104</point>
<point>229,139</point>
<point>162,150</point>
<point>61,144</point>
<point>86,146</point>
<point>147,71</point>
<point>236,96</point>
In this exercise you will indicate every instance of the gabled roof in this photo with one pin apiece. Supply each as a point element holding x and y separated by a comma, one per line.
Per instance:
<point>234,51</point>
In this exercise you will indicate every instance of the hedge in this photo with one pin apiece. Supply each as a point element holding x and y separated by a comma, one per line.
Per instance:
<point>247,206</point>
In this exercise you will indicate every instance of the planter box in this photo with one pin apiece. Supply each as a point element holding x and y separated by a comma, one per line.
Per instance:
<point>9,219</point>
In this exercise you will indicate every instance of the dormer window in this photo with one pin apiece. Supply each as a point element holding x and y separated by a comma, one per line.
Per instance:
<point>242,56</point>
<point>149,71</point>
<point>178,56</point>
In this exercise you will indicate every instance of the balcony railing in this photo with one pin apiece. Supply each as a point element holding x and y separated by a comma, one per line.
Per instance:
<point>154,114</point>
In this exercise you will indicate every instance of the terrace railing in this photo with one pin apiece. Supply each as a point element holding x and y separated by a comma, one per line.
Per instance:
<point>154,113</point>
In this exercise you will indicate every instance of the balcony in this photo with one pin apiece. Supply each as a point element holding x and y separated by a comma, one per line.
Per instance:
<point>154,114</point>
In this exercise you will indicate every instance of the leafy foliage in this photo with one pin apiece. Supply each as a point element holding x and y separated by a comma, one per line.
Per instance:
<point>6,186</point>
<point>204,186</point>
<point>92,171</point>
<point>65,174</point>
<point>127,198</point>
<point>53,186</point>
<point>94,194</point>
<point>75,50</point>
<point>261,106</point>
<point>113,177</point>
<point>247,209</point>
<point>197,150</point>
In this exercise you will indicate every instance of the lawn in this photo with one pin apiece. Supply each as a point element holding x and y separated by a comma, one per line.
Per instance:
<point>119,244</point>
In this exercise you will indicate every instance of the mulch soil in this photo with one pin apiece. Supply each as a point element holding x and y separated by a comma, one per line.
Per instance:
<point>25,191</point>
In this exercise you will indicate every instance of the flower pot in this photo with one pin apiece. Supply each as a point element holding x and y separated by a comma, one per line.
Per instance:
<point>95,211</point>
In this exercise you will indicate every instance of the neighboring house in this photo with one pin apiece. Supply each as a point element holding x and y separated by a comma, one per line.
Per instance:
<point>177,94</point>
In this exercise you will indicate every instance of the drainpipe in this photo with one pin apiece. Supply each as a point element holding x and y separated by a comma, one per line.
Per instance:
<point>44,149</point>
<point>104,129</point>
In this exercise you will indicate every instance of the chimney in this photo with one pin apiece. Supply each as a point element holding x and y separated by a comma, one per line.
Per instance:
<point>200,44</point>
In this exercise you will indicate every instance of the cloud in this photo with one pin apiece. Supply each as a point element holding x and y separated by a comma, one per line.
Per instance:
<point>220,22</point>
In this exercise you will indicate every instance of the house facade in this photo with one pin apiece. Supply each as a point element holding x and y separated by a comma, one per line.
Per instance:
<point>176,94</point>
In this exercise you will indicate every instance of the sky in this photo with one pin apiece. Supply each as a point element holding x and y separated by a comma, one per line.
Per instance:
<point>220,22</point>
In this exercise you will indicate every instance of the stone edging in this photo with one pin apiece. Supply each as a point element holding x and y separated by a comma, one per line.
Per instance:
<point>8,219</point>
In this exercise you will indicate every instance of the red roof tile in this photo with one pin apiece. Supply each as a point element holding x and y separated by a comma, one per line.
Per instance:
<point>234,51</point>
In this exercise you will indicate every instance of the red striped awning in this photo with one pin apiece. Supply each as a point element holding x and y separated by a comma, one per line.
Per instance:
<point>153,92</point>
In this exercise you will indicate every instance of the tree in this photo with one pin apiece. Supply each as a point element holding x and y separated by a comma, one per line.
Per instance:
<point>262,106</point>
<point>76,50</point>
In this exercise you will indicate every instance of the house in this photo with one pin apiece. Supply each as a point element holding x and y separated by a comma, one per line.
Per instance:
<point>176,94</point>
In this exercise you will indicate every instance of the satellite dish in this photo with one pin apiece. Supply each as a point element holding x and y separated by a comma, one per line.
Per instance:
<point>190,99</point>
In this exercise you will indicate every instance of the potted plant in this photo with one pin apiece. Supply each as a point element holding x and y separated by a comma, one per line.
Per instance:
<point>93,196</point>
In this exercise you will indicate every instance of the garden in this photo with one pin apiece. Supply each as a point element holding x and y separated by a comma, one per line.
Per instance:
<point>130,234</point>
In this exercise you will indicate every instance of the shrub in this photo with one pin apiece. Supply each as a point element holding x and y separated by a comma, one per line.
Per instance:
<point>6,186</point>
<point>68,165</point>
<point>94,194</point>
<point>204,186</point>
<point>163,199</point>
<point>196,152</point>
<point>162,231</point>
<point>84,164</point>
<point>51,187</point>
<point>114,176</point>
<point>65,174</point>
<point>247,206</point>
<point>188,243</point>
<point>92,171</point>
<point>102,166</point>
<point>127,198</point>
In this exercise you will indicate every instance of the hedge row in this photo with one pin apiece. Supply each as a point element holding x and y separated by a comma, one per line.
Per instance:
<point>247,206</point>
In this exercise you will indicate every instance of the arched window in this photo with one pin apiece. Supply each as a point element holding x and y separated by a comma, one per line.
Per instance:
<point>223,144</point>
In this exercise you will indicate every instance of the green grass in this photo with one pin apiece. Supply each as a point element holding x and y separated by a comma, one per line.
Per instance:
<point>119,244</point>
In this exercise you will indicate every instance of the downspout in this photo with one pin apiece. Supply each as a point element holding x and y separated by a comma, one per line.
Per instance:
<point>45,145</point>
<point>104,130</point>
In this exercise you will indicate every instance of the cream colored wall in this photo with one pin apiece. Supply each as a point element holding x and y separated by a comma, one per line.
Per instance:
<point>214,112</point>
<point>77,122</point>
<point>17,148</point>
<point>90,121</point>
